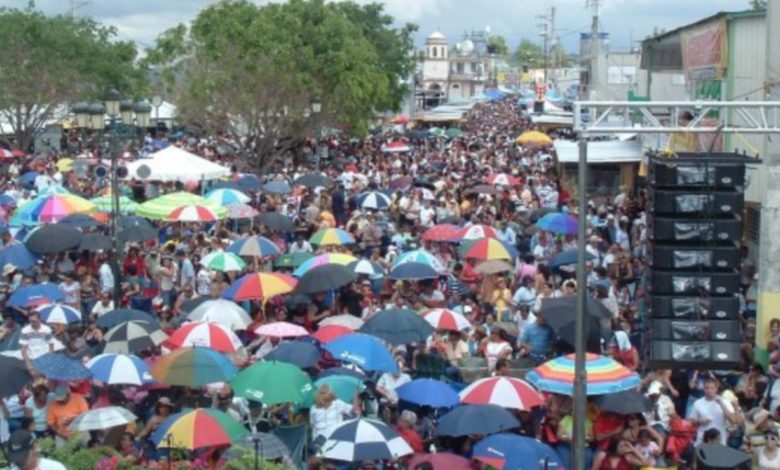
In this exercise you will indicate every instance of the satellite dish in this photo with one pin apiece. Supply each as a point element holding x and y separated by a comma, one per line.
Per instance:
<point>143,172</point>
<point>466,47</point>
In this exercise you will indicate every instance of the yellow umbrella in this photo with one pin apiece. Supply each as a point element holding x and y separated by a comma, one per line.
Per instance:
<point>534,137</point>
<point>65,164</point>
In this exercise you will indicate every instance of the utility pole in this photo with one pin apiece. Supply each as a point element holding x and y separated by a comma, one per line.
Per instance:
<point>554,40</point>
<point>593,76</point>
<point>75,5</point>
<point>769,248</point>
<point>547,32</point>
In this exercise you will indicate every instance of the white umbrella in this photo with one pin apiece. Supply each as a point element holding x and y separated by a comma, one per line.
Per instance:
<point>350,321</point>
<point>222,311</point>
<point>364,439</point>
<point>102,418</point>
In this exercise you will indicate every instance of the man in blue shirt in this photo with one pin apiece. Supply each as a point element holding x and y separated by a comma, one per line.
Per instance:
<point>536,340</point>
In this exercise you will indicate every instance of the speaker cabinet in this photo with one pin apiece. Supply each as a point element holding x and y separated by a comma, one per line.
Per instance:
<point>669,229</point>
<point>694,308</point>
<point>694,283</point>
<point>697,204</point>
<point>693,257</point>
<point>694,354</point>
<point>686,330</point>
<point>700,172</point>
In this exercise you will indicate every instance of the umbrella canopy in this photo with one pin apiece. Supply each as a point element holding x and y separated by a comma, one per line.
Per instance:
<point>52,208</point>
<point>413,272</point>
<point>445,319</point>
<point>365,351</point>
<point>56,366</point>
<point>506,392</point>
<point>80,221</point>
<point>367,267</point>
<point>292,260</point>
<point>341,259</point>
<point>99,419</point>
<point>241,211</point>
<point>624,403</point>
<point>15,376</point>
<point>254,246</point>
<point>605,375</point>
<point>95,242</point>
<point>324,278</point>
<point>482,189</point>
<point>133,337</point>
<point>513,452</point>
<point>36,295</point>
<point>568,258</point>
<point>534,137</point>
<point>281,329</point>
<point>475,232</point>
<point>558,223</point>
<point>398,326</point>
<point>375,200</point>
<point>476,419</point>
<point>211,335</point>
<point>161,207</point>
<point>193,367</point>
<point>277,221</point>
<point>490,249</point>
<point>401,182</point>
<point>136,229</point>
<point>428,392</point>
<point>53,238</point>
<point>300,353</point>
<point>441,233</point>
<point>364,439</point>
<point>16,254</point>
<point>196,213</point>
<point>439,461</point>
<point>422,257</point>
<point>272,383</point>
<point>345,387</point>
<point>331,237</point>
<point>266,445</point>
<point>346,320</point>
<point>255,286</point>
<point>312,180</point>
<point>396,147</point>
<point>221,311</point>
<point>104,204</point>
<point>225,197</point>
<point>196,429</point>
<point>561,310</point>
<point>494,267</point>
<point>122,315</point>
<point>116,369</point>
<point>327,333</point>
<point>502,179</point>
<point>223,261</point>
<point>277,187</point>
<point>58,313</point>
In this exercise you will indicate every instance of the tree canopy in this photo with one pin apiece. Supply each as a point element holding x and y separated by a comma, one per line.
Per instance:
<point>49,61</point>
<point>529,54</point>
<point>498,45</point>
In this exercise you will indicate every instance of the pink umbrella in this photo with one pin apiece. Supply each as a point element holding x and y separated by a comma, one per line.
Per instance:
<point>241,211</point>
<point>281,329</point>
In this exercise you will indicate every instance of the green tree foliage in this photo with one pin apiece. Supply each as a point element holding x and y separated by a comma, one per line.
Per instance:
<point>252,71</point>
<point>529,54</point>
<point>498,43</point>
<point>559,57</point>
<point>48,61</point>
<point>758,4</point>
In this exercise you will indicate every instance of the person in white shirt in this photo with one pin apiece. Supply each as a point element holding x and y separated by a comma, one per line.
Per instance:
<point>506,234</point>
<point>102,306</point>
<point>388,384</point>
<point>712,412</point>
<point>328,412</point>
<point>427,213</point>
<point>300,245</point>
<point>106,275</point>
<point>35,339</point>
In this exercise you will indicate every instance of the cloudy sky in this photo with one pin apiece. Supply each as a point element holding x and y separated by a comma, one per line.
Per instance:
<point>625,20</point>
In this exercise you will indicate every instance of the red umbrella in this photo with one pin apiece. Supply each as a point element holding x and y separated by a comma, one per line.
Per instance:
<point>328,333</point>
<point>506,392</point>
<point>4,153</point>
<point>401,119</point>
<point>441,233</point>
<point>440,461</point>
<point>18,153</point>
<point>212,335</point>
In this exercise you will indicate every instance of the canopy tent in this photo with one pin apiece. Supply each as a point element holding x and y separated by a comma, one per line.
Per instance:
<point>175,164</point>
<point>608,151</point>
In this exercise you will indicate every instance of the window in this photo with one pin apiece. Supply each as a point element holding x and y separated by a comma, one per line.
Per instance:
<point>621,74</point>
<point>460,67</point>
<point>434,52</point>
<point>678,79</point>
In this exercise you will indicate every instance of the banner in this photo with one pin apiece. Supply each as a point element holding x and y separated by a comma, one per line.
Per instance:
<point>704,51</point>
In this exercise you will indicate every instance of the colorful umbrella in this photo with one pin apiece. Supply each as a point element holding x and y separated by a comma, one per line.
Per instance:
<point>196,429</point>
<point>441,233</point>
<point>281,329</point>
<point>506,392</point>
<point>534,137</point>
<point>396,147</point>
<point>331,237</point>
<point>272,383</point>
<point>126,205</point>
<point>398,326</point>
<point>223,261</point>
<point>132,337</point>
<point>364,439</point>
<point>428,392</point>
<point>193,367</point>
<point>342,259</point>
<point>221,311</point>
<point>445,319</point>
<point>327,333</point>
<point>119,369</point>
<point>211,335</point>
<point>514,452</point>
<point>241,211</point>
<point>254,246</point>
<point>476,419</point>
<point>490,249</point>
<point>195,213</point>
<point>58,313</point>
<point>161,207</point>
<point>605,375</point>
<point>56,366</point>
<point>559,223</point>
<point>346,320</point>
<point>53,207</point>
<point>365,351</point>
<point>99,419</point>
<point>225,197</point>
<point>475,232</point>
<point>256,286</point>
<point>292,260</point>
<point>36,295</point>
<point>502,179</point>
<point>422,257</point>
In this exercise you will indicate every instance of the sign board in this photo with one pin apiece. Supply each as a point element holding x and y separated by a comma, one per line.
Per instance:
<point>704,51</point>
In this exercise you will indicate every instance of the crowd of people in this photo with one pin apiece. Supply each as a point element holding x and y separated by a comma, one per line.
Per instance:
<point>483,181</point>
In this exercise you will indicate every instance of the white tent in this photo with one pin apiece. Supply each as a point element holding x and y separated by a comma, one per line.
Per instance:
<point>604,151</point>
<point>175,164</point>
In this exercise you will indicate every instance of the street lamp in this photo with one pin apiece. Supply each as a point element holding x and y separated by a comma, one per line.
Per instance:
<point>81,111</point>
<point>143,113</point>
<point>113,102</point>
<point>126,108</point>
<point>97,114</point>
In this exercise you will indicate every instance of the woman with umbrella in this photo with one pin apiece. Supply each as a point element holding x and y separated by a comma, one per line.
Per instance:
<point>328,412</point>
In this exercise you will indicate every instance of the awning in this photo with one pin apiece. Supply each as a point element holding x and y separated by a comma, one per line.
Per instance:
<point>609,151</point>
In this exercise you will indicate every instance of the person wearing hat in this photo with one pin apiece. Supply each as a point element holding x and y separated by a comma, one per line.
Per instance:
<point>662,411</point>
<point>22,453</point>
<point>163,409</point>
<point>63,409</point>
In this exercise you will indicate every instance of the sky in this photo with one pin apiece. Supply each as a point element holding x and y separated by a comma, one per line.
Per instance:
<point>627,21</point>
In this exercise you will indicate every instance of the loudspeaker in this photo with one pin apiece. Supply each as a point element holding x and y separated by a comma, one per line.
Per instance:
<point>722,171</point>
<point>100,171</point>
<point>694,308</point>
<point>700,204</point>
<point>694,283</point>
<point>669,229</point>
<point>694,354</point>
<point>121,172</point>
<point>693,257</point>
<point>716,330</point>
<point>716,457</point>
<point>143,171</point>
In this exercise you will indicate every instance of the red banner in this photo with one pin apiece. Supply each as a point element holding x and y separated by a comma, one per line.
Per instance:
<point>704,51</point>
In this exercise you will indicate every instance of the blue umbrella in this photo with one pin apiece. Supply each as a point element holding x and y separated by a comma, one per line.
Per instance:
<point>28,179</point>
<point>301,353</point>
<point>11,342</point>
<point>254,246</point>
<point>340,371</point>
<point>36,295</point>
<point>567,258</point>
<point>476,419</point>
<point>398,326</point>
<point>514,452</point>
<point>365,351</point>
<point>413,272</point>
<point>59,313</point>
<point>277,187</point>
<point>122,315</point>
<point>249,182</point>
<point>428,392</point>
<point>6,200</point>
<point>18,255</point>
<point>558,222</point>
<point>55,366</point>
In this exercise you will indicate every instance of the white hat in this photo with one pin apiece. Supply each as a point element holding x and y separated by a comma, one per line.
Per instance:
<point>8,269</point>
<point>654,388</point>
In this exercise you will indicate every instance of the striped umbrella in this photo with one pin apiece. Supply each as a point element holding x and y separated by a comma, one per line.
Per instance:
<point>241,211</point>
<point>211,335</point>
<point>256,286</point>
<point>119,369</point>
<point>506,392</point>
<point>605,375</point>
<point>99,419</point>
<point>342,259</point>
<point>327,333</point>
<point>132,337</point>
<point>474,232</point>
<point>193,367</point>
<point>445,319</point>
<point>489,249</point>
<point>221,311</point>
<point>331,237</point>
<point>52,208</point>
<point>374,200</point>
<point>226,196</point>
<point>161,207</point>
<point>367,267</point>
<point>126,205</point>
<point>364,439</point>
<point>59,314</point>
<point>281,329</point>
<point>195,213</point>
<point>223,261</point>
<point>422,257</point>
<point>441,233</point>
<point>196,429</point>
<point>254,246</point>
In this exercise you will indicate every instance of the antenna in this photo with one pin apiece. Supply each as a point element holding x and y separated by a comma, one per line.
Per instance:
<point>75,5</point>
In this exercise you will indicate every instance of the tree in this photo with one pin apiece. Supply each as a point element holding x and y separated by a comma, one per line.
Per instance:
<point>529,54</point>
<point>559,57</point>
<point>498,45</point>
<point>49,61</point>
<point>758,4</point>
<point>251,71</point>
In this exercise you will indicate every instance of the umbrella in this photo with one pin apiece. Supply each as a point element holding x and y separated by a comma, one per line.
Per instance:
<point>490,249</point>
<point>255,286</point>
<point>454,133</point>
<point>292,260</point>
<point>119,369</point>
<point>605,375</point>
<point>506,392</point>
<point>422,257</point>
<point>342,259</point>
<point>80,221</point>
<point>367,267</point>
<point>424,182</point>
<point>312,180</point>
<point>223,261</point>
<point>561,310</point>
<point>567,258</point>
<point>266,445</point>
<point>502,179</point>
<point>195,302</point>
<point>514,452</point>
<point>365,351</point>
<point>272,383</point>
<point>58,313</point>
<point>413,272</point>
<point>441,233</point>
<point>36,295</point>
<point>327,333</point>
<point>401,182</point>
<point>221,311</point>
<point>122,315</point>
<point>324,278</point>
<point>196,213</point>
<point>475,232</point>
<point>7,200</point>
<point>15,376</point>
<point>281,329</point>
<point>493,267</point>
<point>104,204</point>
<point>364,439</point>
<point>396,147</point>
<point>346,320</point>
<point>249,182</point>
<point>211,335</point>
<point>52,208</point>
<point>241,211</point>
<point>136,229</point>
<point>437,132</point>
<point>343,372</point>
<point>28,179</point>
<point>300,353</point>
<point>95,242</point>
<point>196,429</point>
<point>225,197</point>
<point>132,337</point>
<point>16,254</point>
<point>254,246</point>
<point>374,200</point>
<point>398,326</point>
<point>193,367</point>
<point>440,461</point>
<point>53,238</point>
<point>509,327</point>
<point>558,223</point>
<point>476,419</point>
<point>277,187</point>
<point>161,207</point>
<point>445,319</point>
<point>99,419</point>
<point>428,392</point>
<point>628,402</point>
<point>276,221</point>
<point>534,137</point>
<point>331,237</point>
<point>56,366</point>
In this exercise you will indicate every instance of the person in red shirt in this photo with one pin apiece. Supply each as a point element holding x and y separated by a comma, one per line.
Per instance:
<point>606,427</point>
<point>405,429</point>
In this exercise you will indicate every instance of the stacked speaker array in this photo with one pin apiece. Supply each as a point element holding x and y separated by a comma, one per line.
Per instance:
<point>694,226</point>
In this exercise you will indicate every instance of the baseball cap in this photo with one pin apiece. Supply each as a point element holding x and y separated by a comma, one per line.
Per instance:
<point>60,393</point>
<point>20,444</point>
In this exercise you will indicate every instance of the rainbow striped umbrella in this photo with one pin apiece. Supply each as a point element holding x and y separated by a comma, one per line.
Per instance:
<point>254,246</point>
<point>196,213</point>
<point>52,208</point>
<point>489,249</point>
<point>196,429</point>
<point>330,237</point>
<point>327,258</point>
<point>193,367</point>
<point>605,375</point>
<point>255,286</point>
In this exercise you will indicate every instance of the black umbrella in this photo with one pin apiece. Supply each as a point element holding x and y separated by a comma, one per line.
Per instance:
<point>567,333</point>
<point>192,304</point>
<point>53,238</point>
<point>424,182</point>
<point>720,456</point>
<point>121,315</point>
<point>324,278</point>
<point>132,337</point>
<point>567,258</point>
<point>559,309</point>
<point>539,213</point>
<point>95,242</point>
<point>80,221</point>
<point>476,419</point>
<point>398,326</point>
<point>301,353</point>
<point>277,221</point>
<point>294,301</point>
<point>15,376</point>
<point>136,229</point>
<point>624,403</point>
<point>312,180</point>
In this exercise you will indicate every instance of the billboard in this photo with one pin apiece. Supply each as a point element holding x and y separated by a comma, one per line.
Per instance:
<point>704,51</point>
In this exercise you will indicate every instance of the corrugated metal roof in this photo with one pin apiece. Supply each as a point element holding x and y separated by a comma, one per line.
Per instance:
<point>607,151</point>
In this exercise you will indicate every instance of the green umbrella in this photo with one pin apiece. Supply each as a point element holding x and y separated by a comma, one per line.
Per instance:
<point>272,383</point>
<point>126,205</point>
<point>159,208</point>
<point>343,386</point>
<point>454,133</point>
<point>437,132</point>
<point>292,260</point>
